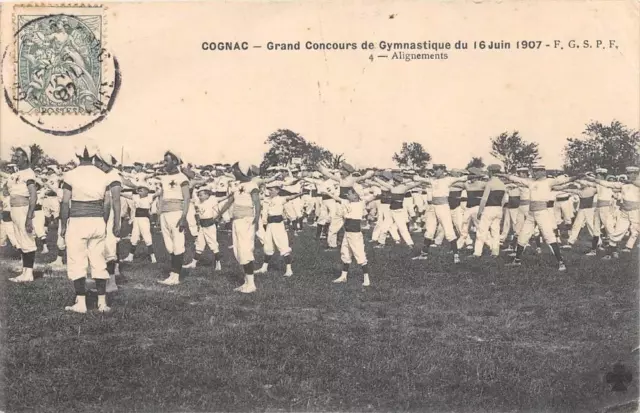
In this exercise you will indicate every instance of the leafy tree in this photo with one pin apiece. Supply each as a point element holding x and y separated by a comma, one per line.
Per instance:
<point>286,145</point>
<point>613,146</point>
<point>412,155</point>
<point>475,162</point>
<point>513,151</point>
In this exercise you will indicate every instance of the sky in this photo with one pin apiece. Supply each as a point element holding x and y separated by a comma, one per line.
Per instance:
<point>221,106</point>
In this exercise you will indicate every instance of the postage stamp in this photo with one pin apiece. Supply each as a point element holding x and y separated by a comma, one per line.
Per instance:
<point>59,65</point>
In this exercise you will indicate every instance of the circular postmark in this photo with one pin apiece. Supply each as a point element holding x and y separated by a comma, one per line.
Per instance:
<point>59,78</point>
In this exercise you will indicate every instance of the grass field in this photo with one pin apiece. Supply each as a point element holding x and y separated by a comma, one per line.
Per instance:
<point>426,336</point>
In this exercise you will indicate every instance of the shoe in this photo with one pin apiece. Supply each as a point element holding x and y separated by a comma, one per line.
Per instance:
<point>129,258</point>
<point>420,257</point>
<point>566,246</point>
<point>514,263</point>
<point>260,270</point>
<point>366,282</point>
<point>192,264</point>
<point>218,266</point>
<point>607,257</point>
<point>456,259</point>
<point>340,280</point>
<point>173,279</point>
<point>246,289</point>
<point>77,308</point>
<point>104,308</point>
<point>22,278</point>
<point>591,253</point>
<point>379,246</point>
<point>45,249</point>
<point>153,259</point>
<point>616,254</point>
<point>561,266</point>
<point>538,250</point>
<point>288,274</point>
<point>80,306</point>
<point>626,250</point>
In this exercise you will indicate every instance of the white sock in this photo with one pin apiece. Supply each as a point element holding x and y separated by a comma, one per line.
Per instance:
<point>289,270</point>
<point>102,301</point>
<point>264,267</point>
<point>81,301</point>
<point>248,279</point>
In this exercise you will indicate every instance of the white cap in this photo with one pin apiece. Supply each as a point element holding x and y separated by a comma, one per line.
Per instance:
<point>27,151</point>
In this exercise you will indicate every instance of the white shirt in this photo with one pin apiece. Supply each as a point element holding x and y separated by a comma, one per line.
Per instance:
<point>18,182</point>
<point>172,185</point>
<point>141,202</point>
<point>274,206</point>
<point>242,194</point>
<point>87,183</point>
<point>353,210</point>
<point>440,187</point>
<point>208,209</point>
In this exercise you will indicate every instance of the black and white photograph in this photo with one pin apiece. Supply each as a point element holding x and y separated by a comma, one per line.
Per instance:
<point>286,206</point>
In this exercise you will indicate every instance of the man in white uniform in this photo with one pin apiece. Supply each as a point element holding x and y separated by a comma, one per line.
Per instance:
<point>540,192</point>
<point>22,198</point>
<point>490,213</point>
<point>246,219</point>
<point>174,204</point>
<point>441,185</point>
<point>83,221</point>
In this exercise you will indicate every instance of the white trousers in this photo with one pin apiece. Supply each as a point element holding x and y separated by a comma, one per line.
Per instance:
<point>585,216</point>
<point>443,217</point>
<point>489,230</point>
<point>171,234</point>
<point>141,229</point>
<point>6,233</point>
<point>243,234</point>
<point>85,240</point>
<point>544,220</point>
<point>207,237</point>
<point>276,237</point>
<point>25,241</point>
<point>353,247</point>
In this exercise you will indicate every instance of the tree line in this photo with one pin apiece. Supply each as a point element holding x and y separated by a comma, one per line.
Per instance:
<point>613,146</point>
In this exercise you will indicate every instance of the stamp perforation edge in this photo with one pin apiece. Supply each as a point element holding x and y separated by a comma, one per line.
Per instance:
<point>103,41</point>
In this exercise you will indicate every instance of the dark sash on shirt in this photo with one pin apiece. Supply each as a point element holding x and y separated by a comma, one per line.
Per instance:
<point>87,209</point>
<point>274,219</point>
<point>142,212</point>
<point>352,225</point>
<point>495,198</point>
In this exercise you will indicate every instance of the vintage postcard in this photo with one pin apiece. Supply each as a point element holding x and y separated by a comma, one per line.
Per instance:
<point>320,206</point>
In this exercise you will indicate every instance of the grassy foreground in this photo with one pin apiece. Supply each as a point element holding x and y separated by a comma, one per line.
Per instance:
<point>427,336</point>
